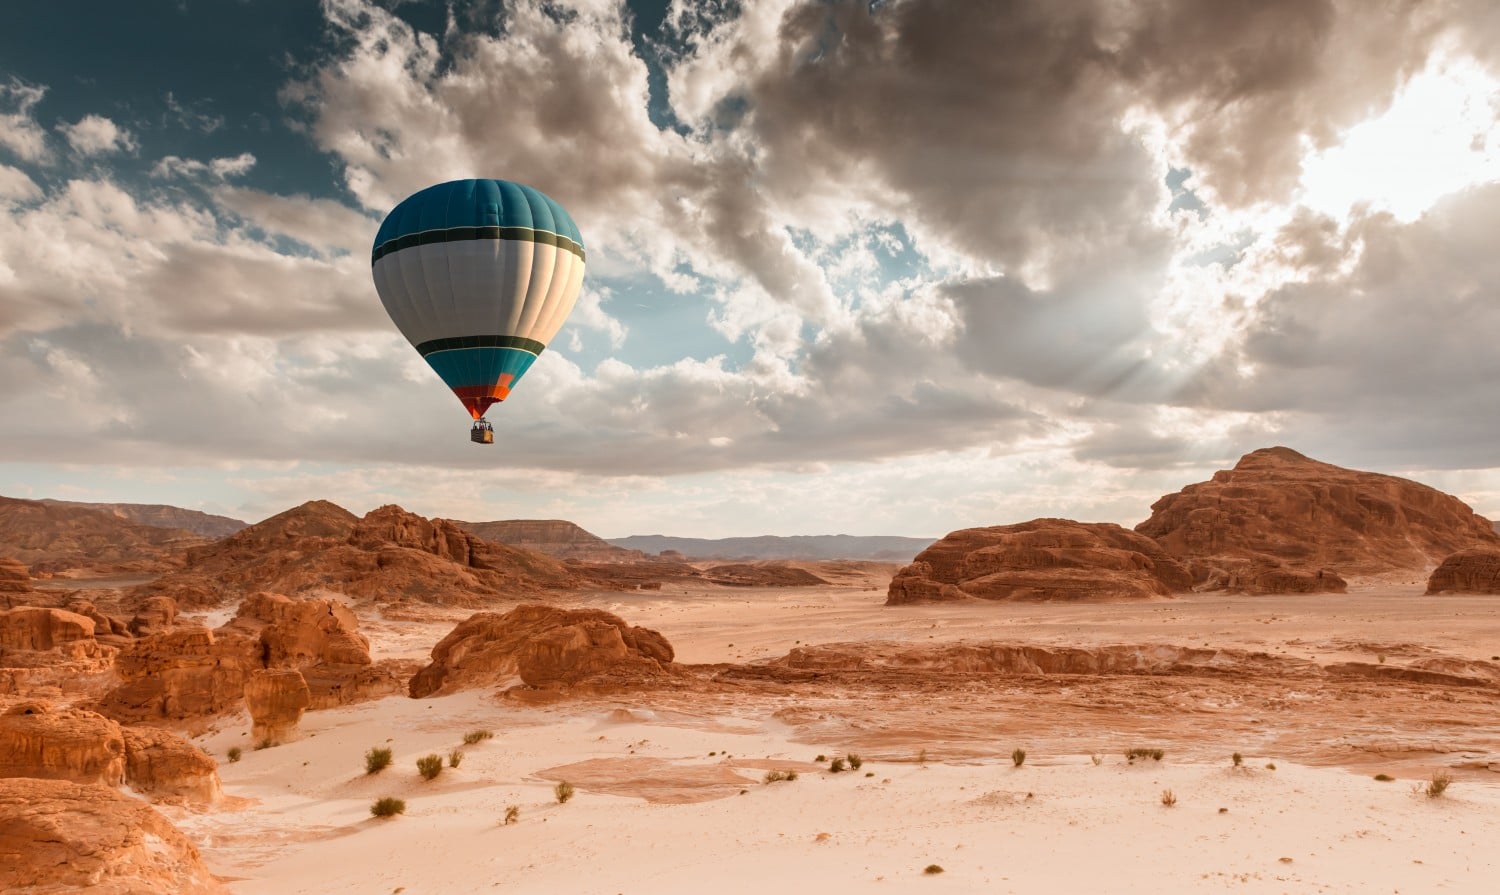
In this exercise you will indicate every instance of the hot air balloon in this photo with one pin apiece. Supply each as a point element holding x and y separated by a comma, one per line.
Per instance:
<point>479,275</point>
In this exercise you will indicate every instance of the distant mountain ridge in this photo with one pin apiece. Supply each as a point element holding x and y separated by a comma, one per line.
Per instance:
<point>160,515</point>
<point>883,548</point>
<point>53,539</point>
<point>555,537</point>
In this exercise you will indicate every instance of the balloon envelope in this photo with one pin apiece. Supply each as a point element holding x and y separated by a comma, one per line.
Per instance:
<point>479,275</point>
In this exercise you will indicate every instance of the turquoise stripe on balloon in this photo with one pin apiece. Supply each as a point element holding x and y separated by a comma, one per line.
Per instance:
<point>477,203</point>
<point>468,367</point>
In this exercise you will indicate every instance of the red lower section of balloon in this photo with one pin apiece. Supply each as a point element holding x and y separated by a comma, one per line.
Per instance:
<point>480,398</point>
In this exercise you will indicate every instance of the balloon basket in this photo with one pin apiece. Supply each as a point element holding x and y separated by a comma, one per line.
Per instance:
<point>482,433</point>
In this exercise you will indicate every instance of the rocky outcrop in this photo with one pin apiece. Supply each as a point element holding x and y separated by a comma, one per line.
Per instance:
<point>300,633</point>
<point>388,555</point>
<point>1475,571</point>
<point>1281,519</point>
<point>276,699</point>
<point>40,740</point>
<point>544,645</point>
<point>1045,559</point>
<point>57,836</point>
<point>15,583</point>
<point>186,674</point>
<point>64,539</point>
<point>52,653</point>
<point>164,765</point>
<point>155,616</point>
<point>554,537</point>
<point>761,574</point>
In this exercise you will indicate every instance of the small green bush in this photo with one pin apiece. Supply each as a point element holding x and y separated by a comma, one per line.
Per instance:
<point>235,753</point>
<point>388,807</point>
<point>1018,757</point>
<point>778,776</point>
<point>563,791</point>
<point>932,868</point>
<point>476,736</point>
<point>377,760</point>
<point>855,761</point>
<point>1153,754</point>
<point>454,758</point>
<point>429,766</point>
<point>512,814</point>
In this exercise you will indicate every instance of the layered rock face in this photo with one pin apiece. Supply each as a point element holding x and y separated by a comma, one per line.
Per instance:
<point>38,740</point>
<point>555,537</point>
<point>186,673</point>
<point>544,645</point>
<point>390,554</point>
<point>1475,571</point>
<point>276,700</point>
<point>52,652</point>
<point>57,836</point>
<point>160,515</point>
<point>1280,521</point>
<point>15,583</point>
<point>1045,559</point>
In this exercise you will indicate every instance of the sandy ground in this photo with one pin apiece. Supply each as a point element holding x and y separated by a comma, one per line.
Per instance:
<point>670,797</point>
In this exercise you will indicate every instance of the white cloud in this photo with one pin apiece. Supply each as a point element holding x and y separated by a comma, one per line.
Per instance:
<point>19,131</point>
<point>96,135</point>
<point>217,169</point>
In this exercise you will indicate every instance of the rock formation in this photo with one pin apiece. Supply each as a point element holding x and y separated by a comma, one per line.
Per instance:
<point>1045,559</point>
<point>276,699</point>
<point>761,574</point>
<point>57,836</point>
<point>59,539</point>
<point>1279,520</point>
<point>555,537</point>
<point>1473,571</point>
<point>390,554</point>
<point>164,765</point>
<point>544,645</point>
<point>15,583</point>
<point>39,740</point>
<point>155,616</point>
<point>187,673</point>
<point>52,653</point>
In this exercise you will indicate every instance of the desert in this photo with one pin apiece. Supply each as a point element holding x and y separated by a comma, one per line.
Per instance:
<point>1128,717</point>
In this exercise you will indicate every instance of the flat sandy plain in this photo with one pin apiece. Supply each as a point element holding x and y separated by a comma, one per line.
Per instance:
<point>669,792</point>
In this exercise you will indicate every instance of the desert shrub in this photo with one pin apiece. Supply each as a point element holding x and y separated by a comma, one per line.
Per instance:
<point>563,791</point>
<point>1153,754</point>
<point>1438,784</point>
<point>1238,759</point>
<point>377,760</point>
<point>1097,759</point>
<point>1270,765</point>
<point>838,765</point>
<point>855,761</point>
<point>791,775</point>
<point>265,744</point>
<point>476,736</point>
<point>1384,778</point>
<point>512,814</point>
<point>1168,798</point>
<point>1018,757</point>
<point>454,758</point>
<point>820,759</point>
<point>429,766</point>
<point>388,807</point>
<point>235,753</point>
<point>922,758</point>
<point>932,868</point>
<point>778,776</point>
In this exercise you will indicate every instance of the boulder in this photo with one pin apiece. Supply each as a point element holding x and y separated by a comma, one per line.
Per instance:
<point>1044,559</point>
<point>276,699</point>
<point>57,837</point>
<point>165,765</point>
<point>34,629</point>
<point>1474,571</point>
<point>558,645</point>
<point>40,740</point>
<point>155,616</point>
<point>1278,511</point>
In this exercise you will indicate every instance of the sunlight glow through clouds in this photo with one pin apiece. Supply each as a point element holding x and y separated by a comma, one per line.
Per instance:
<point>1440,135</point>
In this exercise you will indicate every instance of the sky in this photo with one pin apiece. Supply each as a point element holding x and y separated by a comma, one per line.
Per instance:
<point>886,267</point>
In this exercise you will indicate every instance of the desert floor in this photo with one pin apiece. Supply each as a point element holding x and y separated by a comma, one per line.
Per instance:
<point>670,797</point>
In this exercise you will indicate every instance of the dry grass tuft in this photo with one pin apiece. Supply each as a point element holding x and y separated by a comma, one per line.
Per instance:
<point>377,760</point>
<point>477,736</point>
<point>388,807</point>
<point>429,766</point>
<point>1018,757</point>
<point>563,791</point>
<point>1168,798</point>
